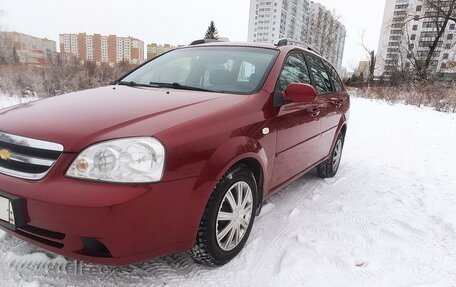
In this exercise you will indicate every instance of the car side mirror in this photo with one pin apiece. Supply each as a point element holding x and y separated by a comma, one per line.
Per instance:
<point>300,93</point>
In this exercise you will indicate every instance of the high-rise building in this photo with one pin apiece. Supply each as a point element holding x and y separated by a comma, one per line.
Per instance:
<point>30,49</point>
<point>103,49</point>
<point>271,20</point>
<point>154,49</point>
<point>406,37</point>
<point>303,23</point>
<point>326,34</point>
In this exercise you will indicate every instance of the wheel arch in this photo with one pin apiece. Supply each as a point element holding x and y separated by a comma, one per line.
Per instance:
<point>342,129</point>
<point>255,167</point>
<point>239,150</point>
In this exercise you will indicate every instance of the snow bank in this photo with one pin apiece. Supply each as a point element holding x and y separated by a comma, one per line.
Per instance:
<point>387,219</point>
<point>6,101</point>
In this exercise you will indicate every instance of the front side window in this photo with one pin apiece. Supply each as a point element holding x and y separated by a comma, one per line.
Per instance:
<point>294,71</point>
<point>225,69</point>
<point>320,76</point>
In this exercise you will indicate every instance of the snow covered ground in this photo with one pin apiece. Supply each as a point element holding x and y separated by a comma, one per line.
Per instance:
<point>387,219</point>
<point>6,101</point>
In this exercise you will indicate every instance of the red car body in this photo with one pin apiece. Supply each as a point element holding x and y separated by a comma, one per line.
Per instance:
<point>204,135</point>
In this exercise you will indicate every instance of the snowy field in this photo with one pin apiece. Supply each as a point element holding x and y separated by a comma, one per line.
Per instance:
<point>387,219</point>
<point>6,101</point>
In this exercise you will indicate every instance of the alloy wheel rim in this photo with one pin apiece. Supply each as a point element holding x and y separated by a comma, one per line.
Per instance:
<point>234,216</point>
<point>337,155</point>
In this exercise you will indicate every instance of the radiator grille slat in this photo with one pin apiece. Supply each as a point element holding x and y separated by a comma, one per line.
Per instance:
<point>27,158</point>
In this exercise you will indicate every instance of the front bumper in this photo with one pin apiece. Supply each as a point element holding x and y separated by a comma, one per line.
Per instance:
<point>110,224</point>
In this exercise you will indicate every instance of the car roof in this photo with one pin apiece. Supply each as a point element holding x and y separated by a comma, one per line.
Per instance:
<point>284,48</point>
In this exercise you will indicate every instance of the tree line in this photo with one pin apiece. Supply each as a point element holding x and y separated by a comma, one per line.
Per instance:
<point>58,78</point>
<point>62,76</point>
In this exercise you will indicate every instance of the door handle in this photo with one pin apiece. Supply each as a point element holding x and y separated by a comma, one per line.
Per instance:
<point>315,112</point>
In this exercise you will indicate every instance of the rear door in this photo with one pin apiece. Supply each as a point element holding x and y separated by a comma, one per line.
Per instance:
<point>329,100</point>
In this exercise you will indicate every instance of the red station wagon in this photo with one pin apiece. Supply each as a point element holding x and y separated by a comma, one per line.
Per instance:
<point>177,155</point>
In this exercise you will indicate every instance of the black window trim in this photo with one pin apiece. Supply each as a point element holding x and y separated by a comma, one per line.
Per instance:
<point>329,65</point>
<point>307,54</point>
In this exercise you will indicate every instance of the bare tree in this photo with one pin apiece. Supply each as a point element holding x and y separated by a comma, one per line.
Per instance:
<point>372,61</point>
<point>438,14</point>
<point>8,54</point>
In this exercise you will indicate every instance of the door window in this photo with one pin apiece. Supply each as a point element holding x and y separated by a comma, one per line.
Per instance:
<point>294,71</point>
<point>335,79</point>
<point>320,76</point>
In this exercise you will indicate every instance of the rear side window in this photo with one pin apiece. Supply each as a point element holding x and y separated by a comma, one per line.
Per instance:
<point>320,76</point>
<point>338,86</point>
<point>294,71</point>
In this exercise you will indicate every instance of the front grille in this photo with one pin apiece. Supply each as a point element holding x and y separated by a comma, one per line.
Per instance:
<point>27,158</point>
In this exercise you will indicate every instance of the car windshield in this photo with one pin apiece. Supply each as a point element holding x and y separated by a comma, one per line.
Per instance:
<point>224,69</point>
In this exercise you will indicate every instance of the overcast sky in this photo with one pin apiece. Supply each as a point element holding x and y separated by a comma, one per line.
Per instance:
<point>174,21</point>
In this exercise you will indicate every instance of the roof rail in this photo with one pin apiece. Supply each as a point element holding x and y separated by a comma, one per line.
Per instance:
<point>204,41</point>
<point>285,42</point>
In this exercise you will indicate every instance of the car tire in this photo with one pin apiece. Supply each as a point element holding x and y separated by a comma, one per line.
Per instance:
<point>329,167</point>
<point>215,245</point>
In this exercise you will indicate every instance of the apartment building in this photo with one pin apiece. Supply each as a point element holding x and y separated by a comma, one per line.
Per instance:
<point>103,49</point>
<point>405,37</point>
<point>326,34</point>
<point>30,49</point>
<point>302,22</point>
<point>271,20</point>
<point>154,49</point>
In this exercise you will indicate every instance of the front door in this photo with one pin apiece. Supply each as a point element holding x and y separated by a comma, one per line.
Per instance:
<point>298,125</point>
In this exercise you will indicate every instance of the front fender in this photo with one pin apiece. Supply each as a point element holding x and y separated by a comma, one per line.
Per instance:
<point>232,151</point>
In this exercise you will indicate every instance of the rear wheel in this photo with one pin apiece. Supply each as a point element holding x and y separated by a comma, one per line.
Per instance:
<point>227,219</point>
<point>329,167</point>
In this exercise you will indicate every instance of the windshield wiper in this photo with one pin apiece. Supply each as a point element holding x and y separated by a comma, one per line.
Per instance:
<point>175,85</point>
<point>178,86</point>
<point>134,84</point>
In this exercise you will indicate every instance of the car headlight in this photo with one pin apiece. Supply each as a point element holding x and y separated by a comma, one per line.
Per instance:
<point>129,160</point>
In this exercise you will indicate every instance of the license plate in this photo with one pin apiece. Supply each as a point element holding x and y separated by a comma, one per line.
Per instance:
<point>6,210</point>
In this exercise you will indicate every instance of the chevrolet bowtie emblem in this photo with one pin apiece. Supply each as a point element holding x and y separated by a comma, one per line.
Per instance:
<point>5,154</point>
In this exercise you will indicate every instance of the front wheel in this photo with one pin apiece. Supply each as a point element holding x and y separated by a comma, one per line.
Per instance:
<point>329,167</point>
<point>227,219</point>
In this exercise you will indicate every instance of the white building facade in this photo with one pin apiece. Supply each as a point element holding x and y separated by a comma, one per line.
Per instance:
<point>300,21</point>
<point>29,49</point>
<point>326,34</point>
<point>405,36</point>
<point>103,49</point>
<point>271,20</point>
